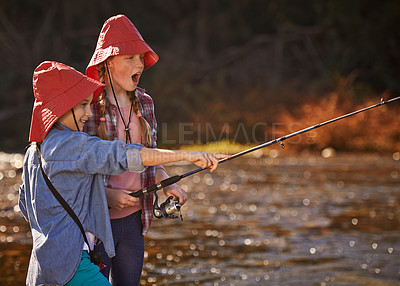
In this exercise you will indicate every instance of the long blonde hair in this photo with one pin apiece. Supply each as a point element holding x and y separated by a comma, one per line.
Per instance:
<point>101,105</point>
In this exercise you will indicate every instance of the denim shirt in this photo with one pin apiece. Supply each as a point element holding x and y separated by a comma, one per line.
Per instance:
<point>74,163</point>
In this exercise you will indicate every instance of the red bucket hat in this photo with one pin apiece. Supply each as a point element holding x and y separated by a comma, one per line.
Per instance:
<point>57,89</point>
<point>119,37</point>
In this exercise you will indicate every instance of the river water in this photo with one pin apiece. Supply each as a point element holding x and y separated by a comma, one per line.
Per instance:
<point>279,220</point>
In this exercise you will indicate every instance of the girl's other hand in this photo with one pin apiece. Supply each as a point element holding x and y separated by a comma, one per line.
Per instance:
<point>119,199</point>
<point>177,192</point>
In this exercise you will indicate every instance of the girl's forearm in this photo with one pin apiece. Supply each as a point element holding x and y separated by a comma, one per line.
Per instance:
<point>153,157</point>
<point>161,174</point>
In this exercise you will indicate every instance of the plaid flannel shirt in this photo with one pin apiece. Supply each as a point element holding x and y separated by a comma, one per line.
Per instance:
<point>111,119</point>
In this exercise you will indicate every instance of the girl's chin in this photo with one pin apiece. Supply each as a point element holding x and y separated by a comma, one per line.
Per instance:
<point>134,86</point>
<point>80,125</point>
<point>130,88</point>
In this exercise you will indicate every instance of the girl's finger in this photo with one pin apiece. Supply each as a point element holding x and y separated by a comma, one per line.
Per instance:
<point>214,165</point>
<point>214,160</point>
<point>134,200</point>
<point>222,156</point>
<point>181,199</point>
<point>209,160</point>
<point>184,198</point>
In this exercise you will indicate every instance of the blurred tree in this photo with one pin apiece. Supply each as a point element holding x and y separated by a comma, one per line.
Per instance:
<point>225,61</point>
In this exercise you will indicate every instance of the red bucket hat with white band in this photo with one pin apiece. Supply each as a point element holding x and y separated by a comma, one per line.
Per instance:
<point>57,89</point>
<point>119,37</point>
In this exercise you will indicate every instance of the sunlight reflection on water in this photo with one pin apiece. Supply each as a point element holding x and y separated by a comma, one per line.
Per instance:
<point>257,221</point>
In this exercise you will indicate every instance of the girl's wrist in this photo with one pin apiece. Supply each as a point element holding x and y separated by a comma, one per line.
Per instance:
<point>167,188</point>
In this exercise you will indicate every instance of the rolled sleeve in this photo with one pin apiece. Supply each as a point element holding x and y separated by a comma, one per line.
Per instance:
<point>134,159</point>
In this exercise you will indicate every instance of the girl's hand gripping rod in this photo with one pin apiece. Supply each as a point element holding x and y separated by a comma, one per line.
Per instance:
<point>176,178</point>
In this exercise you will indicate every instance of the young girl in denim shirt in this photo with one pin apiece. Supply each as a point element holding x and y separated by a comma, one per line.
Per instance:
<point>74,162</point>
<point>125,112</point>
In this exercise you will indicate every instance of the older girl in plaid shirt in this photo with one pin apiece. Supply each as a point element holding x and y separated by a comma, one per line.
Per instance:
<point>125,112</point>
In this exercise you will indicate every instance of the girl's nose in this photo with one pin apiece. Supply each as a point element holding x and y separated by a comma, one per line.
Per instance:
<point>89,112</point>
<point>140,61</point>
<point>140,64</point>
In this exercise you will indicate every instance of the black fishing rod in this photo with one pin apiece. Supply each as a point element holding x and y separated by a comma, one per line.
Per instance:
<point>169,181</point>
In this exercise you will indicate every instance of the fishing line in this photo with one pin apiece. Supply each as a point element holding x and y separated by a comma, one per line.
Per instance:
<point>169,181</point>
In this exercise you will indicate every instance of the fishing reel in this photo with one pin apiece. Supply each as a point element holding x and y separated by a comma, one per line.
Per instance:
<point>167,209</point>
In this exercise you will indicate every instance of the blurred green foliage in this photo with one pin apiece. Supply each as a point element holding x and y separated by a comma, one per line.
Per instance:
<point>221,62</point>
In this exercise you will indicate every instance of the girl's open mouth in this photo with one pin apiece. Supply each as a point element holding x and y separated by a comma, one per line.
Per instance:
<point>81,124</point>
<point>135,78</point>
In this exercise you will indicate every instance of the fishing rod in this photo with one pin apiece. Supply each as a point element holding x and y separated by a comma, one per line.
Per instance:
<point>173,206</point>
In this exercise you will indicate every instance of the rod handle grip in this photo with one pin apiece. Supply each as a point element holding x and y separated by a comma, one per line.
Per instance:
<point>153,188</point>
<point>169,181</point>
